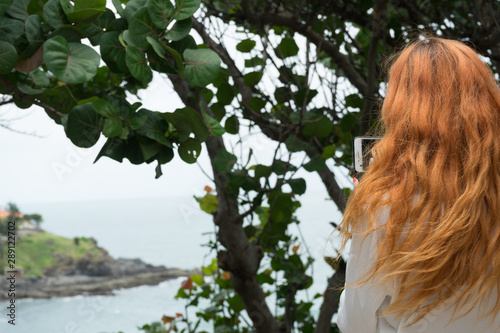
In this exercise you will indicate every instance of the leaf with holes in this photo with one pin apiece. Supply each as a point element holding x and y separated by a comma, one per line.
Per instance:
<point>202,66</point>
<point>189,150</point>
<point>70,62</point>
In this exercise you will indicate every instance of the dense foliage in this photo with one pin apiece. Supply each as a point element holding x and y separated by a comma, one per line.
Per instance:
<point>306,74</point>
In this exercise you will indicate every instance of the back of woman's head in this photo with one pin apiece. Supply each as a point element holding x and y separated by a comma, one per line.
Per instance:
<point>438,168</point>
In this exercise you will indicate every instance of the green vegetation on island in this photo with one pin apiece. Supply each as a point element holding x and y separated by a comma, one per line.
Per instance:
<point>38,252</point>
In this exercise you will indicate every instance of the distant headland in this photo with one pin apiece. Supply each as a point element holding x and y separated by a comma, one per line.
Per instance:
<point>48,265</point>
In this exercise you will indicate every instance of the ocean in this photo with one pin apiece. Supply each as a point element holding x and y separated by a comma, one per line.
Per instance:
<point>166,231</point>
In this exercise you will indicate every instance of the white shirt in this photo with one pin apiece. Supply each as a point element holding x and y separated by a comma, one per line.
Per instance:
<point>360,306</point>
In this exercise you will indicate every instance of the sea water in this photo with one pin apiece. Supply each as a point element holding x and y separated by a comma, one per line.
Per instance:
<point>166,231</point>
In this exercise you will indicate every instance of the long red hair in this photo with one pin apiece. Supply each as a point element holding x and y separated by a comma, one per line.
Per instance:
<point>437,167</point>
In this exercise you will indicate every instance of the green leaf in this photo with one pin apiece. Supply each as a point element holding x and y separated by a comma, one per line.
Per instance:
<point>180,122</point>
<point>33,27</point>
<point>185,8</point>
<point>161,12</point>
<point>154,127</point>
<point>114,148</point>
<point>90,4</point>
<point>132,7</point>
<point>187,42</point>
<point>4,4</point>
<point>10,29</point>
<point>262,171</point>
<point>138,66</point>
<point>280,167</point>
<point>189,150</point>
<point>257,103</point>
<point>286,48</point>
<point>38,78</point>
<point>118,6</point>
<point>316,163</point>
<point>197,278</point>
<point>224,161</point>
<point>86,10</point>
<point>28,90</point>
<point>246,45</point>
<point>294,144</point>
<point>254,62</point>
<point>54,14</point>
<point>69,32</point>
<point>321,128</point>
<point>214,127</point>
<point>98,27</point>
<point>140,27</point>
<point>113,52</point>
<point>298,185</point>
<point>232,125</point>
<point>208,203</point>
<point>225,94</point>
<point>112,127</point>
<point>71,63</point>
<point>252,78</point>
<point>8,57</point>
<point>59,98</point>
<point>328,152</point>
<point>236,303</point>
<point>83,127</point>
<point>157,47</point>
<point>137,121</point>
<point>19,9</point>
<point>354,101</point>
<point>196,121</point>
<point>202,66</point>
<point>149,148</point>
<point>179,30</point>
<point>105,108</point>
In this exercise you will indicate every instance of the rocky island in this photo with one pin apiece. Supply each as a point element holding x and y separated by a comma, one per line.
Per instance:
<point>48,265</point>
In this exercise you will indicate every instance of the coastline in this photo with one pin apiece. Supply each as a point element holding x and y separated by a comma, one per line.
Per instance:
<point>63,286</point>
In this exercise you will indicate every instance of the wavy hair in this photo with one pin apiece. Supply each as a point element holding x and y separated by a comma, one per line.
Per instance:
<point>437,169</point>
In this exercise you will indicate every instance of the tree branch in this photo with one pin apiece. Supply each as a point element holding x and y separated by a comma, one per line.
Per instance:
<point>21,95</point>
<point>331,298</point>
<point>242,259</point>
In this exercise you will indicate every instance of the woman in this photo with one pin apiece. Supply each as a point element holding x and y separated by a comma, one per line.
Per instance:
<point>425,250</point>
